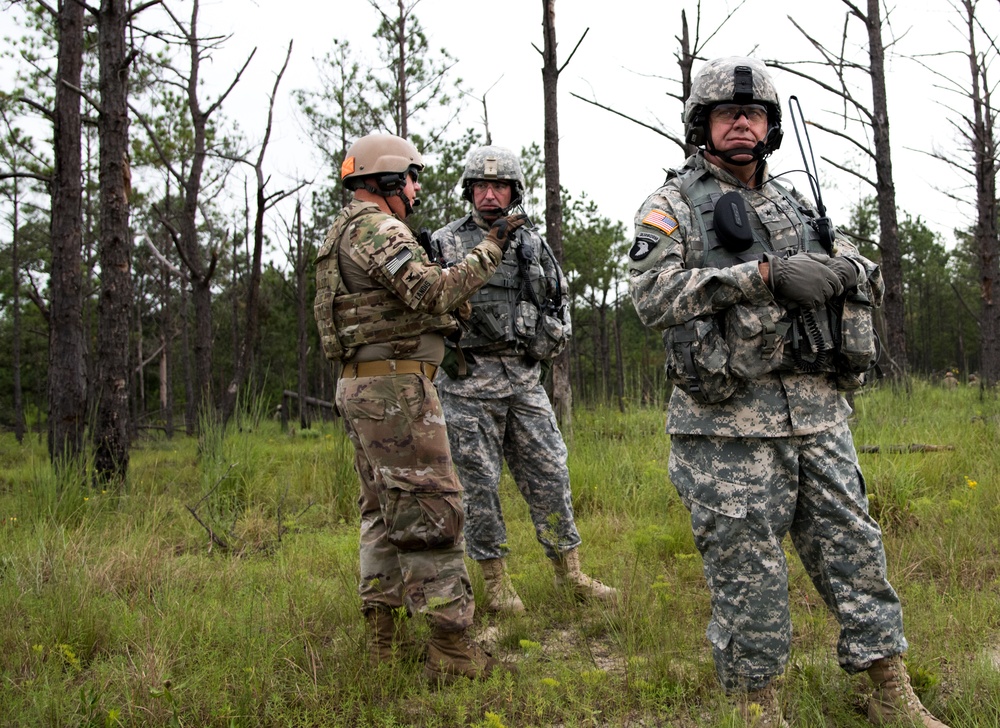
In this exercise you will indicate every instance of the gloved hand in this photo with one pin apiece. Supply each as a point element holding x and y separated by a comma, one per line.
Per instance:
<point>503,229</point>
<point>803,281</point>
<point>846,271</point>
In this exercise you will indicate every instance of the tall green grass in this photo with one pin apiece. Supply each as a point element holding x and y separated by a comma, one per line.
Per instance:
<point>120,609</point>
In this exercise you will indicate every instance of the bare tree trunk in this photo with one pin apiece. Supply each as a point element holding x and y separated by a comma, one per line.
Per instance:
<point>404,112</point>
<point>619,358</point>
<point>562,394</point>
<point>15,265</point>
<point>112,428</point>
<point>984,152</point>
<point>67,382</point>
<point>190,391</point>
<point>247,355</point>
<point>301,261</point>
<point>892,266</point>
<point>166,352</point>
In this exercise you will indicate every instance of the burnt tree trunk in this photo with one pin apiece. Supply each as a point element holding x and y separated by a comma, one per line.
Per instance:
<point>112,426</point>
<point>67,381</point>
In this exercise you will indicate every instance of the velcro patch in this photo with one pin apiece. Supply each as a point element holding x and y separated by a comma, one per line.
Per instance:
<point>398,261</point>
<point>643,245</point>
<point>661,221</point>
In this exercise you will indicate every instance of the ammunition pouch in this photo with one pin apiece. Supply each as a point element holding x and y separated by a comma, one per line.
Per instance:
<point>857,350</point>
<point>756,336</point>
<point>550,338</point>
<point>698,360</point>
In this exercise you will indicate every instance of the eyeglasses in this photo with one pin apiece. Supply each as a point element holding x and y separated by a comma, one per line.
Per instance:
<point>482,185</point>
<point>412,172</point>
<point>754,113</point>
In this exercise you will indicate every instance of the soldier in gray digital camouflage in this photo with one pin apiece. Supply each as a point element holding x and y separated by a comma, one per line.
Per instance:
<point>766,315</point>
<point>493,398</point>
<point>383,310</point>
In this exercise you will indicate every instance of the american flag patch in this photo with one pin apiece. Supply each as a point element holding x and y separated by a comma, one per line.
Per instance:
<point>661,221</point>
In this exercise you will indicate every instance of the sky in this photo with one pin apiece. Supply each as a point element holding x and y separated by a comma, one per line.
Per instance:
<point>626,61</point>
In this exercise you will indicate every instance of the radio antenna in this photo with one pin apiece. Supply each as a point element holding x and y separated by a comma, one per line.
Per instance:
<point>823,225</point>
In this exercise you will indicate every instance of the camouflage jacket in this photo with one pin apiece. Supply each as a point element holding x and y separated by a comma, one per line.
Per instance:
<point>504,370</point>
<point>405,294</point>
<point>669,292</point>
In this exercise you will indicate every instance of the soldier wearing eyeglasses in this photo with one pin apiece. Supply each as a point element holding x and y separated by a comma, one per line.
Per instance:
<point>494,402</point>
<point>766,318</point>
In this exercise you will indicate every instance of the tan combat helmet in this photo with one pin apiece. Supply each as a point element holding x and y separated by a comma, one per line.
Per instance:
<point>380,163</point>
<point>493,163</point>
<point>732,80</point>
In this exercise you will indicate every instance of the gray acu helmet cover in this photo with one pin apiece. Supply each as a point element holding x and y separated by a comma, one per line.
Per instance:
<point>734,79</point>
<point>489,163</point>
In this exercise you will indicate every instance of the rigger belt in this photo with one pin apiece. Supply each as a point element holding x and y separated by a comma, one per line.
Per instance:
<point>388,368</point>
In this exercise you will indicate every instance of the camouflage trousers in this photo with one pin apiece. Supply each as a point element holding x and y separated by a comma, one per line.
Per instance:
<point>522,429</point>
<point>412,551</point>
<point>745,495</point>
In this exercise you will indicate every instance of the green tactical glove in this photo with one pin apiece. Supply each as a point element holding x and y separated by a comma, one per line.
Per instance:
<point>803,281</point>
<point>846,271</point>
<point>503,229</point>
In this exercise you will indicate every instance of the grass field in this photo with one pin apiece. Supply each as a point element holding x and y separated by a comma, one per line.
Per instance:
<point>218,587</point>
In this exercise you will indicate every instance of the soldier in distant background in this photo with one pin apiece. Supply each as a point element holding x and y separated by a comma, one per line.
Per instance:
<point>766,313</point>
<point>497,408</point>
<point>384,309</point>
<point>950,381</point>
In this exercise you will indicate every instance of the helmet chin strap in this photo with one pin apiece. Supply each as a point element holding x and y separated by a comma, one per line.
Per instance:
<point>407,205</point>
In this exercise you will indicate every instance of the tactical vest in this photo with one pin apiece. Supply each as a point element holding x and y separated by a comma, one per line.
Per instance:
<point>505,311</point>
<point>703,192</point>
<point>376,316</point>
<point>707,358</point>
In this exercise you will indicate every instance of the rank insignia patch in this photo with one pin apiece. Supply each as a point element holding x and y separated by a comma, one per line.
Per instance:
<point>661,221</point>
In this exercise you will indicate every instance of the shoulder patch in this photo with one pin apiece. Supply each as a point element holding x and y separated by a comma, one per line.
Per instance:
<point>660,220</point>
<point>397,261</point>
<point>643,245</point>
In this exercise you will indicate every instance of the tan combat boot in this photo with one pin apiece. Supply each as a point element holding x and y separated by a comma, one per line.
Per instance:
<point>761,708</point>
<point>500,594</point>
<point>584,587</point>
<point>388,638</point>
<point>451,655</point>
<point>893,701</point>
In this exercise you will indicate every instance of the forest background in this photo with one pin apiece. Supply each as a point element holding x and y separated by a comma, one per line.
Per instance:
<point>156,279</point>
<point>179,279</point>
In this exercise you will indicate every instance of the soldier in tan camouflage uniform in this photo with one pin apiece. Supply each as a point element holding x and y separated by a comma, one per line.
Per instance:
<point>765,314</point>
<point>383,309</point>
<point>497,409</point>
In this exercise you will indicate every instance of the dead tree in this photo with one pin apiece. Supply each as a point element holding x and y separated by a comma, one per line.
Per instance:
<point>246,354</point>
<point>978,130</point>
<point>562,393</point>
<point>875,118</point>
<point>199,263</point>
<point>688,51</point>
